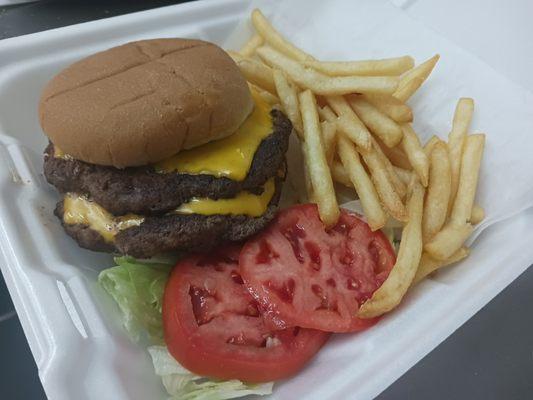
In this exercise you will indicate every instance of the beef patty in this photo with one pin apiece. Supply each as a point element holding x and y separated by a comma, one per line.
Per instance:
<point>142,190</point>
<point>174,232</point>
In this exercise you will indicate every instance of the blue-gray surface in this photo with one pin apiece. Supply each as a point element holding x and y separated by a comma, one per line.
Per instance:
<point>489,358</point>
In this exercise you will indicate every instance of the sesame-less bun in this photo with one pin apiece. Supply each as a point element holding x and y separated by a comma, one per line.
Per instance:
<point>144,101</point>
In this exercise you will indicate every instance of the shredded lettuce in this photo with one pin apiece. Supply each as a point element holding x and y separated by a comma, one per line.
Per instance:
<point>138,290</point>
<point>184,385</point>
<point>138,287</point>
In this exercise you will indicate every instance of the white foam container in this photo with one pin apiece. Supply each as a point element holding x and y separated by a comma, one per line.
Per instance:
<point>72,327</point>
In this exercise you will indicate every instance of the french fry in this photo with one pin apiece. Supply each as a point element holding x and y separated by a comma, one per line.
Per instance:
<point>386,191</point>
<point>322,84</point>
<point>362,117</point>
<point>413,149</point>
<point>456,139</point>
<point>386,66</point>
<point>269,97</point>
<point>308,183</point>
<point>391,106</point>
<point>349,123</point>
<point>257,73</point>
<point>405,92</point>
<point>422,70</point>
<point>478,214</point>
<point>374,213</point>
<point>399,185</point>
<point>275,39</point>
<point>317,165</point>
<point>403,174</point>
<point>428,264</point>
<point>438,192</point>
<point>396,155</point>
<point>413,79</point>
<point>462,117</point>
<point>265,95</point>
<point>297,189</point>
<point>249,47</point>
<point>329,132</point>
<point>378,123</point>
<point>340,175</point>
<point>327,114</point>
<point>428,147</point>
<point>391,292</point>
<point>306,174</point>
<point>448,240</point>
<point>469,175</point>
<point>289,100</point>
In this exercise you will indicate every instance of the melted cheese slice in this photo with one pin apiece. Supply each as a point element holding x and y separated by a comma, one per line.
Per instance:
<point>230,157</point>
<point>79,210</point>
<point>244,203</point>
<point>61,154</point>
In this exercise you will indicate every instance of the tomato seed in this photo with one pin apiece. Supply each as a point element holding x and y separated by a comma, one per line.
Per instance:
<point>314,254</point>
<point>377,257</point>
<point>346,259</point>
<point>319,292</point>
<point>285,292</point>
<point>236,277</point>
<point>210,285</point>
<point>341,228</point>
<point>252,310</point>
<point>293,234</point>
<point>239,339</point>
<point>265,253</point>
<point>199,298</point>
<point>352,284</point>
<point>272,341</point>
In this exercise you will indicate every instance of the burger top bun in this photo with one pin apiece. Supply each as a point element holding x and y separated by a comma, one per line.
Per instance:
<point>144,101</point>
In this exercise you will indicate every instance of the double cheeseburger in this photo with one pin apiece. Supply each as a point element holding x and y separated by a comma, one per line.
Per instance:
<point>160,145</point>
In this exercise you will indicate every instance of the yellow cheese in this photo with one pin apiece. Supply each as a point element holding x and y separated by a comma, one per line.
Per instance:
<point>80,210</point>
<point>230,157</point>
<point>61,154</point>
<point>244,203</point>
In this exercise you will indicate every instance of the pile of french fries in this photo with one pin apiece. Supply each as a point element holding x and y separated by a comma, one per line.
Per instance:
<point>354,127</point>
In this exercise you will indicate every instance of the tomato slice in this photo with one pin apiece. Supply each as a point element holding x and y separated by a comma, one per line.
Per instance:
<point>214,327</point>
<point>304,275</point>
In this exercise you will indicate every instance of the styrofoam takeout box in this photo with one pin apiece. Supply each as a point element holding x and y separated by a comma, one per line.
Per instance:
<point>73,328</point>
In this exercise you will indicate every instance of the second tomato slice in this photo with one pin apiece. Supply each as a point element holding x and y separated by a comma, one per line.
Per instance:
<point>304,275</point>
